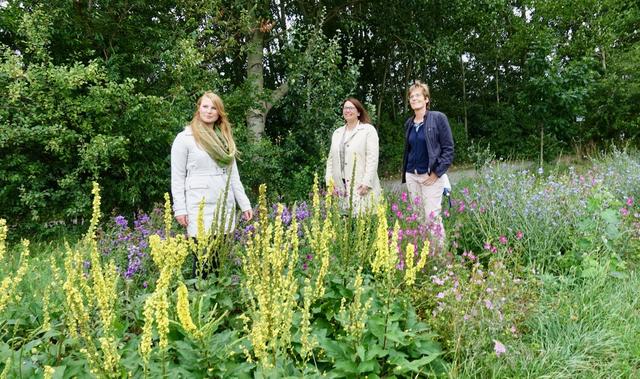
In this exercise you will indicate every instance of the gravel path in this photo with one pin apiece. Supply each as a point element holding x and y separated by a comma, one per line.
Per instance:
<point>455,175</point>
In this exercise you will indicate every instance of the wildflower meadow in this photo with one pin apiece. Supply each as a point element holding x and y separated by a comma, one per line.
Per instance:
<point>538,278</point>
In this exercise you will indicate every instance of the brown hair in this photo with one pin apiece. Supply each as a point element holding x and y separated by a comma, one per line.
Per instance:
<point>418,85</point>
<point>364,116</point>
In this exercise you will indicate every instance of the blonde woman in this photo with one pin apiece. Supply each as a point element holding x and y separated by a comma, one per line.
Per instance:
<point>355,145</point>
<point>428,154</point>
<point>203,159</point>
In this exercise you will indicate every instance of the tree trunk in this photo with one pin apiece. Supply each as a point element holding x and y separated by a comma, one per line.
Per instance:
<point>497,83</point>
<point>407,78</point>
<point>381,94</point>
<point>464,100</point>
<point>257,116</point>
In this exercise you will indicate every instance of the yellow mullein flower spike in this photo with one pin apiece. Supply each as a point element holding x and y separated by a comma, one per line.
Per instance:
<point>184,312</point>
<point>95,217</point>
<point>9,286</point>
<point>382,241</point>
<point>48,372</point>
<point>46,322</point>
<point>147,330</point>
<point>168,215</point>
<point>3,238</point>
<point>409,269</point>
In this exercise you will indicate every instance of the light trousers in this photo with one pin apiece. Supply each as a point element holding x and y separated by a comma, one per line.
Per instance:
<point>428,198</point>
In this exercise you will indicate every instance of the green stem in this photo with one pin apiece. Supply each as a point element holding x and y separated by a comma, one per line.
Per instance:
<point>164,363</point>
<point>386,316</point>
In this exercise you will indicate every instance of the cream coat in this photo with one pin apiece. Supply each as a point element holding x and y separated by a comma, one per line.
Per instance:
<point>194,176</point>
<point>361,150</point>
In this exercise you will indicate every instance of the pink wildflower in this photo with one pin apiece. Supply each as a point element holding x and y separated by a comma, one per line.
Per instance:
<point>503,240</point>
<point>519,235</point>
<point>624,211</point>
<point>404,197</point>
<point>499,348</point>
<point>629,201</point>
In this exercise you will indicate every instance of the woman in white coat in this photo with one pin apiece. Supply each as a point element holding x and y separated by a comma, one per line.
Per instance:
<point>355,146</point>
<point>202,162</point>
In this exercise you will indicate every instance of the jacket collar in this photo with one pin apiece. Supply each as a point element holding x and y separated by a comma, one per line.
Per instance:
<point>358,127</point>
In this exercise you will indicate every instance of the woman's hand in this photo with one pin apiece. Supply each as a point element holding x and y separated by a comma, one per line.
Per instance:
<point>247,215</point>
<point>363,190</point>
<point>183,220</point>
<point>430,179</point>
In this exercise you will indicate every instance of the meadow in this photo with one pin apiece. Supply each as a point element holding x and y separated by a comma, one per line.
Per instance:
<point>538,279</point>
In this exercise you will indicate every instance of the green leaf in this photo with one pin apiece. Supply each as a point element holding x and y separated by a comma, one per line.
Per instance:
<point>368,366</point>
<point>376,351</point>
<point>335,350</point>
<point>610,216</point>
<point>346,366</point>
<point>376,326</point>
<point>404,365</point>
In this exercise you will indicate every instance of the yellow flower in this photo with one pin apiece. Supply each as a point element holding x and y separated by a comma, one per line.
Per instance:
<point>46,322</point>
<point>95,217</point>
<point>424,254</point>
<point>357,311</point>
<point>382,241</point>
<point>3,238</point>
<point>270,285</point>
<point>168,215</point>
<point>308,344</point>
<point>111,358</point>
<point>184,313</point>
<point>409,270</point>
<point>147,330</point>
<point>48,372</point>
<point>9,286</point>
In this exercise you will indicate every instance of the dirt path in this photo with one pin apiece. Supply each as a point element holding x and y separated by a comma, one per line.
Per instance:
<point>455,175</point>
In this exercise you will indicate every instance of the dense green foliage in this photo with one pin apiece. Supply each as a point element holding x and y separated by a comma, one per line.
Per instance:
<point>97,89</point>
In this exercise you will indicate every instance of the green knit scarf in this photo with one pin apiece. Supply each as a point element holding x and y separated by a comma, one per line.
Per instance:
<point>215,144</point>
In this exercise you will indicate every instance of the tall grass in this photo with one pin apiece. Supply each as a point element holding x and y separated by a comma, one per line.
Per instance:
<point>581,328</point>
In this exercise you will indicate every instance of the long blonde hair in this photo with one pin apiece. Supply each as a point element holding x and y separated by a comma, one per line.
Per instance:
<point>217,141</point>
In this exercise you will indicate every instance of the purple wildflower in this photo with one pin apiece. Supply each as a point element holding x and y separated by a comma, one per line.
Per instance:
<point>121,221</point>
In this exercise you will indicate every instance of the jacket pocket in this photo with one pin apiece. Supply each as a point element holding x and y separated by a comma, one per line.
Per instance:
<point>196,190</point>
<point>194,184</point>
